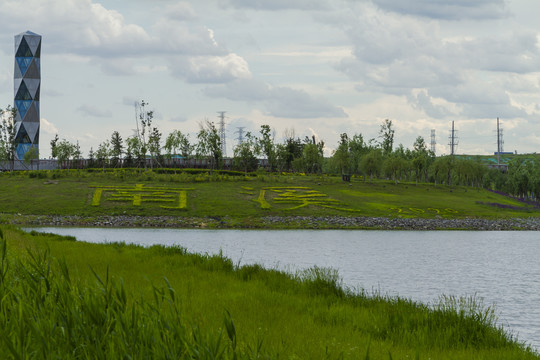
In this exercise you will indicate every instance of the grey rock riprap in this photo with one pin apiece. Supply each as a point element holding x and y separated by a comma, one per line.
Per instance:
<point>383,223</point>
<point>297,222</point>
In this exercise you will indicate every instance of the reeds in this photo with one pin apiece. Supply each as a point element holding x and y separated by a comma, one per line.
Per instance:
<point>45,313</point>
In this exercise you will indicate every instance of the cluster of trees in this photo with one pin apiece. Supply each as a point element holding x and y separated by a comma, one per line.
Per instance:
<point>381,160</point>
<point>522,179</point>
<point>146,147</point>
<point>293,154</point>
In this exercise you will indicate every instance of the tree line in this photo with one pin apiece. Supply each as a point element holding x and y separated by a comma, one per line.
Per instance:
<point>376,158</point>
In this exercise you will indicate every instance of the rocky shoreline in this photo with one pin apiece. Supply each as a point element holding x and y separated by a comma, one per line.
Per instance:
<point>274,222</point>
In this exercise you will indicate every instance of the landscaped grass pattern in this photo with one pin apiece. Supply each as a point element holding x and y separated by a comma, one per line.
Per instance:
<point>66,299</point>
<point>243,199</point>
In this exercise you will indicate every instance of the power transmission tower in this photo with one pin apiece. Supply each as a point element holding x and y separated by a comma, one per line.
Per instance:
<point>240,132</point>
<point>433,141</point>
<point>500,143</point>
<point>453,140</point>
<point>222,133</point>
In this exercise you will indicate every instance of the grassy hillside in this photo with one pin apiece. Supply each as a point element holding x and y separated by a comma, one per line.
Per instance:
<point>67,299</point>
<point>241,198</point>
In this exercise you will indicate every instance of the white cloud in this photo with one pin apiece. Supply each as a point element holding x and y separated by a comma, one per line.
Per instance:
<point>77,26</point>
<point>396,54</point>
<point>178,38</point>
<point>279,101</point>
<point>87,31</point>
<point>86,28</point>
<point>211,69</point>
<point>422,100</point>
<point>47,127</point>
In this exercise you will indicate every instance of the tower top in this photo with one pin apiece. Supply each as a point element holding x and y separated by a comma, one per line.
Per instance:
<point>28,32</point>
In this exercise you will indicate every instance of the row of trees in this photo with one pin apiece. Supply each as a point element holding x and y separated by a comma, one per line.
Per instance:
<point>375,158</point>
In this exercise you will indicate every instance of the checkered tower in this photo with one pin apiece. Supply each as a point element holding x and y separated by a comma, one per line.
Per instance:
<point>27,82</point>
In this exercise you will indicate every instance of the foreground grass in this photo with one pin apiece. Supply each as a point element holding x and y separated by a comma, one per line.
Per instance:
<point>242,199</point>
<point>67,299</point>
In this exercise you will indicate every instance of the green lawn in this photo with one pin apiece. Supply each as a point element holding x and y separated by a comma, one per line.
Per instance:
<point>243,198</point>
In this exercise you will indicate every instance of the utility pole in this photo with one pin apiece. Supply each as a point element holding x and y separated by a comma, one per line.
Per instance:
<point>222,133</point>
<point>240,132</point>
<point>433,141</point>
<point>499,144</point>
<point>453,140</point>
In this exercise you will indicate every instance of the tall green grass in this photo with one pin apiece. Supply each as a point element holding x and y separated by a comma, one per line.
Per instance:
<point>66,299</point>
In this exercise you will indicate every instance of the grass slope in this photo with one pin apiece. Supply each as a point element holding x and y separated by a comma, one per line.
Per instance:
<point>242,198</point>
<point>67,299</point>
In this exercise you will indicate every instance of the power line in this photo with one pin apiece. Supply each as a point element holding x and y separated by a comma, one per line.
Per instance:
<point>500,142</point>
<point>453,141</point>
<point>222,133</point>
<point>433,141</point>
<point>240,132</point>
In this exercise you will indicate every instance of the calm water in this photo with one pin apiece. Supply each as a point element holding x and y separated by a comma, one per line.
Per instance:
<point>502,268</point>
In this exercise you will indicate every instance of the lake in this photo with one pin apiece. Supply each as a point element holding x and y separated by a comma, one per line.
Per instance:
<point>500,267</point>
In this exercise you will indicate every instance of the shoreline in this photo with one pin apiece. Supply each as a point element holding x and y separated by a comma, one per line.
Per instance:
<point>275,222</point>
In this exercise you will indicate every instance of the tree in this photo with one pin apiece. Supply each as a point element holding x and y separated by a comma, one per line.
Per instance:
<point>342,155</point>
<point>186,148</point>
<point>117,148</point>
<point>386,134</point>
<point>357,149</point>
<point>282,155</point>
<point>77,154</point>
<point>520,178</point>
<point>54,149</point>
<point>420,165</point>
<point>209,144</point>
<point>267,146</point>
<point>8,132</point>
<point>31,155</point>
<point>145,119</point>
<point>371,163</point>
<point>91,158</point>
<point>154,146</point>
<point>178,144</point>
<point>442,169</point>
<point>64,150</point>
<point>293,147</point>
<point>420,158</point>
<point>245,154</point>
<point>135,150</point>
<point>420,146</point>
<point>394,164</point>
<point>103,153</point>
<point>312,157</point>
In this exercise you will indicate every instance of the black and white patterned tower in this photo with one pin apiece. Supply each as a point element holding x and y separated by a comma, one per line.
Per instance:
<point>27,82</point>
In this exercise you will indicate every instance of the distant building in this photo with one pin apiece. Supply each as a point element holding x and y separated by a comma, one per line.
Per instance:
<point>27,81</point>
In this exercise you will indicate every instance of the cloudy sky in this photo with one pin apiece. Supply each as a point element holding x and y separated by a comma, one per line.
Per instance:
<point>320,67</point>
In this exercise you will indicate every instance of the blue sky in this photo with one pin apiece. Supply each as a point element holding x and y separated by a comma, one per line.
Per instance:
<point>320,67</point>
